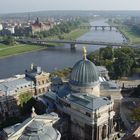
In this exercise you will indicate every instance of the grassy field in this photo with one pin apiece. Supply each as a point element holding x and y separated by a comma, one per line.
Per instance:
<point>134,38</point>
<point>18,49</point>
<point>2,46</point>
<point>75,34</point>
<point>72,35</point>
<point>6,50</point>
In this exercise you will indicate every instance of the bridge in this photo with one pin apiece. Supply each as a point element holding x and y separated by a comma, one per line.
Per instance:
<point>96,27</point>
<point>71,42</point>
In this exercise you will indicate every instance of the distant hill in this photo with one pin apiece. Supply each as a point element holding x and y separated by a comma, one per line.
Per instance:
<point>73,13</point>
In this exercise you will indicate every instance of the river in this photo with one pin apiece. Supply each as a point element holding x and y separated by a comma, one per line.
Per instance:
<point>58,57</point>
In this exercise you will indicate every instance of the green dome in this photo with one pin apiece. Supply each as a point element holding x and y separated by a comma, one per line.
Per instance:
<point>84,73</point>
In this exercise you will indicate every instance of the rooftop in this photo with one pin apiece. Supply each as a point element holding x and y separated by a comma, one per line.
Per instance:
<point>36,128</point>
<point>101,69</point>
<point>89,101</point>
<point>83,99</point>
<point>14,84</point>
<point>109,85</point>
<point>35,71</point>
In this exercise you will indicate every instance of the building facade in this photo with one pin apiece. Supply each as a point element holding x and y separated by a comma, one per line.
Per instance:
<point>88,115</point>
<point>41,79</point>
<point>34,82</point>
<point>38,26</point>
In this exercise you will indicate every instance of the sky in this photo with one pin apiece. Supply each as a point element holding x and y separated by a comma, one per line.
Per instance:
<point>12,6</point>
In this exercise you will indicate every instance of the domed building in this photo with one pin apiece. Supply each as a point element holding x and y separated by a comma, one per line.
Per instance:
<point>40,131</point>
<point>38,127</point>
<point>90,116</point>
<point>85,78</point>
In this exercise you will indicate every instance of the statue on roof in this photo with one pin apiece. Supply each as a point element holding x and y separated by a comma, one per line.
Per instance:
<point>33,115</point>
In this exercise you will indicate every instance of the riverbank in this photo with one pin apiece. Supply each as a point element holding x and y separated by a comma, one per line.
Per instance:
<point>7,51</point>
<point>73,35</point>
<point>132,37</point>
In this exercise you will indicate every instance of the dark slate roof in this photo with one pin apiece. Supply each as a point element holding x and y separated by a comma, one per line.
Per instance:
<point>85,100</point>
<point>38,130</point>
<point>88,101</point>
<point>14,84</point>
<point>84,73</point>
<point>109,85</point>
<point>64,91</point>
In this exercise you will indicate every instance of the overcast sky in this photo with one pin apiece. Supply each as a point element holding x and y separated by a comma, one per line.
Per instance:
<point>8,6</point>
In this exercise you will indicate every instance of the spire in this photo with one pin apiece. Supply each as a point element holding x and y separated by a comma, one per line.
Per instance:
<point>37,20</point>
<point>85,53</point>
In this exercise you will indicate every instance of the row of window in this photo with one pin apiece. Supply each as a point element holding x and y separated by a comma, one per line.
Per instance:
<point>22,87</point>
<point>43,82</point>
<point>43,90</point>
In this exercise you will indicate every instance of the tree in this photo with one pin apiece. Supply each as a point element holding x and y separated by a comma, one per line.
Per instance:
<point>9,40</point>
<point>26,102</point>
<point>123,65</point>
<point>106,53</point>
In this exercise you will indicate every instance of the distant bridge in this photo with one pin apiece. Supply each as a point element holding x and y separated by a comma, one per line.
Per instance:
<point>96,27</point>
<point>71,42</point>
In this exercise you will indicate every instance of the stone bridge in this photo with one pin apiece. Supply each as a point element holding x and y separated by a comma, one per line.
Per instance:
<point>96,27</point>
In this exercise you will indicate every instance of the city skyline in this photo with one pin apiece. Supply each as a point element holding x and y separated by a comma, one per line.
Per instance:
<point>16,6</point>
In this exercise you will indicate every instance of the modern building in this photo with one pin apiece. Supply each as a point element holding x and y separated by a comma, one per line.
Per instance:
<point>37,127</point>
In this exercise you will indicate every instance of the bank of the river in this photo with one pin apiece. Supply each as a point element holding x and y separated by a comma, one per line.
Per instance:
<point>73,35</point>
<point>132,37</point>
<point>57,58</point>
<point>6,51</point>
<point>2,46</point>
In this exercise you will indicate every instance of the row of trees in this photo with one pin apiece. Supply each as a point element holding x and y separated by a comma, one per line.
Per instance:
<point>8,40</point>
<point>60,29</point>
<point>136,29</point>
<point>119,61</point>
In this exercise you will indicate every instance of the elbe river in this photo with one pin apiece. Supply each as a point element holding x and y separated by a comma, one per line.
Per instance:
<point>55,58</point>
